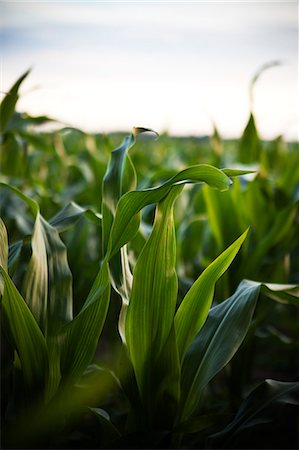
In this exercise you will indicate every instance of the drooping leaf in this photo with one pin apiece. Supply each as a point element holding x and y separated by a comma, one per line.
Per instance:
<point>269,412</point>
<point>126,222</point>
<point>220,338</point>
<point>257,75</point>
<point>70,215</point>
<point>195,306</point>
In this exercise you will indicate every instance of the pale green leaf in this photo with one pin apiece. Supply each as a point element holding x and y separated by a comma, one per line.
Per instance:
<point>154,293</point>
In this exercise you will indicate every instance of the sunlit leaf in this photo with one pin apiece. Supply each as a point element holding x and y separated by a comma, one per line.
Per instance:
<point>25,336</point>
<point>152,304</point>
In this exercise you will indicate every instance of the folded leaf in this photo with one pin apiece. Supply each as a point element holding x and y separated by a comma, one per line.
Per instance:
<point>154,293</point>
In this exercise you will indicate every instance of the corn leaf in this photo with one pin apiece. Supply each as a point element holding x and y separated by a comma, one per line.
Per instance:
<point>25,335</point>
<point>112,186</point>
<point>126,222</point>
<point>250,146</point>
<point>47,285</point>
<point>120,178</point>
<point>261,413</point>
<point>60,294</point>
<point>83,332</point>
<point>154,292</point>
<point>70,215</point>
<point>221,336</point>
<point>195,306</point>
<point>278,231</point>
<point>8,104</point>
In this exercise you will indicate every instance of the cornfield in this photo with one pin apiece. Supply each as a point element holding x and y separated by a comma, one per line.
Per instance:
<point>149,293</point>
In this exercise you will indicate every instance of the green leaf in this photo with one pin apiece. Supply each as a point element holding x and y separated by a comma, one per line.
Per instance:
<point>70,215</point>
<point>35,283</point>
<point>126,222</point>
<point>269,412</point>
<point>119,178</point>
<point>281,293</point>
<point>278,231</point>
<point>60,293</point>
<point>154,293</point>
<point>25,335</point>
<point>8,104</point>
<point>250,146</point>
<point>217,341</point>
<point>220,337</point>
<point>47,285</point>
<point>112,186</point>
<point>110,432</point>
<point>237,172</point>
<point>195,306</point>
<point>83,332</point>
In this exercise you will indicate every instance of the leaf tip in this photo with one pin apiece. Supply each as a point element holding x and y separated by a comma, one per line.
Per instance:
<point>139,130</point>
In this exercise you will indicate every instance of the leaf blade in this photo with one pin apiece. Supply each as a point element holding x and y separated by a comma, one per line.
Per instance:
<point>191,315</point>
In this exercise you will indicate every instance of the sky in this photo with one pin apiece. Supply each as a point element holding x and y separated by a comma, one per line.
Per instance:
<point>170,66</point>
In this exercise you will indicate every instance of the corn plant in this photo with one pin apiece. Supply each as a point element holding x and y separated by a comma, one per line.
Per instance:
<point>171,346</point>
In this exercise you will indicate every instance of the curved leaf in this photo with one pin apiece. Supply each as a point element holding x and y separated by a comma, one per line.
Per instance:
<point>195,306</point>
<point>270,411</point>
<point>7,106</point>
<point>83,332</point>
<point>25,335</point>
<point>47,285</point>
<point>69,216</point>
<point>126,222</point>
<point>221,336</point>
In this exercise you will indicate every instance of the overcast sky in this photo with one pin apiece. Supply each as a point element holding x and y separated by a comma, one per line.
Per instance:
<point>173,66</point>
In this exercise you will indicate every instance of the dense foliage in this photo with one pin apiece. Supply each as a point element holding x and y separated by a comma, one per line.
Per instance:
<point>114,331</point>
